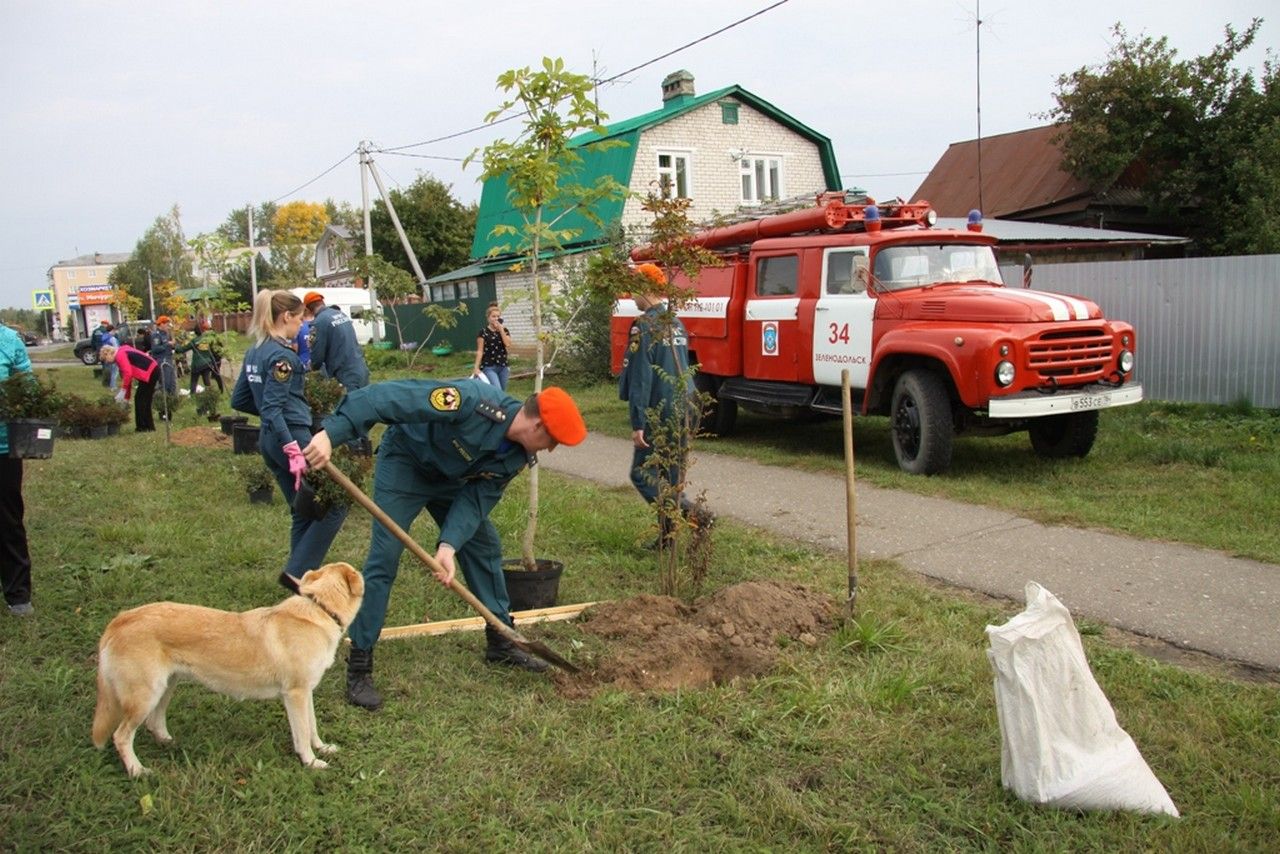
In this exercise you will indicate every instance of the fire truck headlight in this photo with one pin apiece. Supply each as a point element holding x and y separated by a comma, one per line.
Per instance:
<point>1126,361</point>
<point>1004,373</point>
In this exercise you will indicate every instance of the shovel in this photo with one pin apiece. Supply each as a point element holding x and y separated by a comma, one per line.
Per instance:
<point>532,647</point>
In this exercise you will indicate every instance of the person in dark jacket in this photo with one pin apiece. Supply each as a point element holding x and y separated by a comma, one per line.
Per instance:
<point>135,364</point>
<point>15,557</point>
<point>162,348</point>
<point>451,448</point>
<point>270,386</point>
<point>334,349</point>
<point>657,385</point>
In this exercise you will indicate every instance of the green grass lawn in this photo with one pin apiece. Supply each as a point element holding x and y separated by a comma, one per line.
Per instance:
<point>884,736</point>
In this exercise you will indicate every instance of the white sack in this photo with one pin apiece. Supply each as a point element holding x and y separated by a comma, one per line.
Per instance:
<point>1060,743</point>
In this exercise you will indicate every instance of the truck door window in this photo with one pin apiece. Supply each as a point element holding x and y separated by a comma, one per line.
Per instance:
<point>776,277</point>
<point>846,272</point>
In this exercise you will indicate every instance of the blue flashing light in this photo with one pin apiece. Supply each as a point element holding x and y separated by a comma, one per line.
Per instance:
<point>975,216</point>
<point>871,214</point>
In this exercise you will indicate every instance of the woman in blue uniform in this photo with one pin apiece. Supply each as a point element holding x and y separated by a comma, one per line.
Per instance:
<point>270,386</point>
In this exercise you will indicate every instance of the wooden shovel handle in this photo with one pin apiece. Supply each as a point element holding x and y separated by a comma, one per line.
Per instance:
<point>419,552</point>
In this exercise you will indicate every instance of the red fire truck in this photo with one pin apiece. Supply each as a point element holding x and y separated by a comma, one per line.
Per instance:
<point>919,317</point>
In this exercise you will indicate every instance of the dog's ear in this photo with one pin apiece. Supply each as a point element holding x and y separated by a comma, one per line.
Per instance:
<point>353,578</point>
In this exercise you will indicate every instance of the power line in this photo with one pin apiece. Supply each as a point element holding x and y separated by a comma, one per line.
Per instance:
<point>612,79</point>
<point>344,159</point>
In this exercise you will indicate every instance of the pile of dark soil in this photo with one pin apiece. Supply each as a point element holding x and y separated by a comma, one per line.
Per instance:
<point>657,643</point>
<point>201,437</point>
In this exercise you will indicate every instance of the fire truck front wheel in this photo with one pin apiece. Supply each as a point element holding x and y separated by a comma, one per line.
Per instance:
<point>719,416</point>
<point>922,426</point>
<point>1060,436</point>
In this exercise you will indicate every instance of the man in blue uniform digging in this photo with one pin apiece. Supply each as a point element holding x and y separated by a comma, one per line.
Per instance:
<point>451,448</point>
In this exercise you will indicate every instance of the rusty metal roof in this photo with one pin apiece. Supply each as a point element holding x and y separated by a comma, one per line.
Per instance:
<point>1021,175</point>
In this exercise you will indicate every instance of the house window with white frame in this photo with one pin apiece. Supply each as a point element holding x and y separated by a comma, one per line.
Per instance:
<point>673,174</point>
<point>93,274</point>
<point>71,274</point>
<point>761,178</point>
<point>332,257</point>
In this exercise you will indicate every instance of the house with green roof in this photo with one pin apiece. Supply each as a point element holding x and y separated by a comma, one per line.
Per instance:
<point>725,150</point>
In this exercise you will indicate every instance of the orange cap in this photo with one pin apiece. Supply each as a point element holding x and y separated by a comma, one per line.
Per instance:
<point>653,273</point>
<point>311,297</point>
<point>162,319</point>
<point>561,417</point>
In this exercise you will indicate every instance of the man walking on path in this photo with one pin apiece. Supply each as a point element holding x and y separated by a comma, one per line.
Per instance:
<point>656,381</point>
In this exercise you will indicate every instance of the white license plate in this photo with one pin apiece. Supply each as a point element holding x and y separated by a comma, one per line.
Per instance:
<point>1091,401</point>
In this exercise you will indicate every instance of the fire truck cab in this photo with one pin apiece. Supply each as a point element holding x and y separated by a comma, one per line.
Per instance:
<point>917,315</point>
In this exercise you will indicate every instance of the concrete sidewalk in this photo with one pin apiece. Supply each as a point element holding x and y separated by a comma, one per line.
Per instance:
<point>1194,598</point>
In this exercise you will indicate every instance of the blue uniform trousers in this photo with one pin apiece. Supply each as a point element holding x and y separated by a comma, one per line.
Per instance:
<point>309,539</point>
<point>403,491</point>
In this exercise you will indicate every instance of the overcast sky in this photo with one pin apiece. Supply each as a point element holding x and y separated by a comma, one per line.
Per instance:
<point>114,111</point>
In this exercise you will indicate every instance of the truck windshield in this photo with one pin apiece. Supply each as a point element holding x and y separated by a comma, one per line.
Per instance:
<point>918,265</point>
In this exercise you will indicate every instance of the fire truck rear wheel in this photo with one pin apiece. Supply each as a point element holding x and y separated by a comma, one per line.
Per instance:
<point>1060,436</point>
<point>719,416</point>
<point>922,426</point>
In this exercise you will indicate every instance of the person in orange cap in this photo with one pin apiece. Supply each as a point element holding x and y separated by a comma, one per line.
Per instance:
<point>656,380</point>
<point>332,342</point>
<point>450,448</point>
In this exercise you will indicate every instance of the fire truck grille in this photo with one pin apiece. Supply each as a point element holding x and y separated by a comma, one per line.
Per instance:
<point>1078,354</point>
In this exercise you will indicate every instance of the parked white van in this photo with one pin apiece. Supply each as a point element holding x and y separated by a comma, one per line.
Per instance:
<point>354,303</point>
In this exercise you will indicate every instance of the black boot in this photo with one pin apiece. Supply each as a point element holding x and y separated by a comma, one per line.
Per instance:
<point>499,650</point>
<point>360,690</point>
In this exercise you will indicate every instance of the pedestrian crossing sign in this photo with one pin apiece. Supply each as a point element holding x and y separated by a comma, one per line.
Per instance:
<point>43,300</point>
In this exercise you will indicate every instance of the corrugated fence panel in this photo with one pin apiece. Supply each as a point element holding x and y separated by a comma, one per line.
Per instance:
<point>1208,328</point>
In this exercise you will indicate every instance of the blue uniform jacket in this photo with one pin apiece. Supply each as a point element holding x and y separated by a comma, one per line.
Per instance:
<point>653,365</point>
<point>270,386</point>
<point>452,434</point>
<point>334,349</point>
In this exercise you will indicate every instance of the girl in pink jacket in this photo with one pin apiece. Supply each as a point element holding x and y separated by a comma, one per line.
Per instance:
<point>135,365</point>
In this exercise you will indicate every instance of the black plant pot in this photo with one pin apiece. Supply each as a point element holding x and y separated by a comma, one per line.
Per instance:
<point>532,589</point>
<point>227,422</point>
<point>31,438</point>
<point>244,438</point>
<point>307,504</point>
<point>261,496</point>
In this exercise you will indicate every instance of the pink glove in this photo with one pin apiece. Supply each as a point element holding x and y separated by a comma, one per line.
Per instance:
<point>297,463</point>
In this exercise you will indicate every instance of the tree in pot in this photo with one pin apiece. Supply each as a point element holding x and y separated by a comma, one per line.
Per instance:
<point>29,409</point>
<point>208,401</point>
<point>258,481</point>
<point>539,169</point>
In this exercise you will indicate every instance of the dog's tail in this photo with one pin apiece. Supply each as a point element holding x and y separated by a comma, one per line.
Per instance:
<point>107,714</point>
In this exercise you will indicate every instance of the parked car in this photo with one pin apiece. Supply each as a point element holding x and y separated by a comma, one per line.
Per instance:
<point>28,337</point>
<point>126,333</point>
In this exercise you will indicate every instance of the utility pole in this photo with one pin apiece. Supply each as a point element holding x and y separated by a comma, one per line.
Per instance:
<point>151,296</point>
<point>368,232</point>
<point>253,257</point>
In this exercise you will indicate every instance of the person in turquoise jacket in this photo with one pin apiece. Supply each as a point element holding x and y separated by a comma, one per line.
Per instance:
<point>270,386</point>
<point>450,448</point>
<point>655,380</point>
<point>15,557</point>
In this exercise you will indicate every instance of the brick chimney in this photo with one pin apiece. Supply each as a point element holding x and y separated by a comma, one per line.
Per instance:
<point>677,87</point>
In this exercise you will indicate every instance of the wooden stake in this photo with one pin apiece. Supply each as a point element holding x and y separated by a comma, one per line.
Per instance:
<point>846,399</point>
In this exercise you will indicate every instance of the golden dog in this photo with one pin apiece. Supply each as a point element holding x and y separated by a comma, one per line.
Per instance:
<point>281,651</point>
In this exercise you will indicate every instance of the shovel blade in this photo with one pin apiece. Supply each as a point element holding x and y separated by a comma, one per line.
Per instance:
<point>544,652</point>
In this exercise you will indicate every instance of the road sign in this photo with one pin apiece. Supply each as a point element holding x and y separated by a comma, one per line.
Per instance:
<point>43,300</point>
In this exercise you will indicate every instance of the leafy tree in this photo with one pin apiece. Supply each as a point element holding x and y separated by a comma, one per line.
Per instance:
<point>539,167</point>
<point>296,227</point>
<point>1205,133</point>
<point>237,277</point>
<point>439,227</point>
<point>235,229</point>
<point>344,214</point>
<point>161,251</point>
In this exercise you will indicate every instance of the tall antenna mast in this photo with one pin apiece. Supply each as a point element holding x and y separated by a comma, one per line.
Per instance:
<point>977,14</point>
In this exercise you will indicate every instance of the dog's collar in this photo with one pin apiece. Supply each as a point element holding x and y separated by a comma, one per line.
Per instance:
<point>325,608</point>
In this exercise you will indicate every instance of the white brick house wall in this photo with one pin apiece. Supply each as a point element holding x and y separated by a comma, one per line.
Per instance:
<point>716,182</point>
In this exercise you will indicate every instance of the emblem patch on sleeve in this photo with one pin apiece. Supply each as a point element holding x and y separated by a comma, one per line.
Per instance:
<point>282,371</point>
<point>445,399</point>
